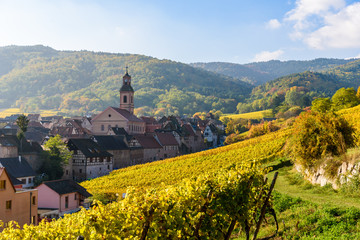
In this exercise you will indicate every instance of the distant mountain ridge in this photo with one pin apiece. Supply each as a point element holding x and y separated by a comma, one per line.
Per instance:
<point>258,73</point>
<point>307,84</point>
<point>79,82</point>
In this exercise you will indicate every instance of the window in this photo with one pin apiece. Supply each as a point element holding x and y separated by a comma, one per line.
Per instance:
<point>33,219</point>
<point>30,180</point>
<point>66,201</point>
<point>102,127</point>
<point>67,172</point>
<point>108,166</point>
<point>23,180</point>
<point>8,204</point>
<point>125,99</point>
<point>34,200</point>
<point>2,184</point>
<point>75,196</point>
<point>80,170</point>
<point>109,127</point>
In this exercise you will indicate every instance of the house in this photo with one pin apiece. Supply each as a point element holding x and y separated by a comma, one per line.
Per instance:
<point>20,169</point>
<point>151,124</point>
<point>89,159</point>
<point>211,135</point>
<point>191,139</point>
<point>169,143</point>
<point>153,151</point>
<point>12,147</point>
<point>59,197</point>
<point>118,147</point>
<point>18,205</point>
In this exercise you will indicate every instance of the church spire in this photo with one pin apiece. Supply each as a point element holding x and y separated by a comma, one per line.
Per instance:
<point>127,93</point>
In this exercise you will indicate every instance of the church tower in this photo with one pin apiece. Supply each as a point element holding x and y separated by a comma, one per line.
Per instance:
<point>127,94</point>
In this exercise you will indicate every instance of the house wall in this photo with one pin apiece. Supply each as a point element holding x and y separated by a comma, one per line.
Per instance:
<point>72,204</point>
<point>153,154</point>
<point>34,159</point>
<point>28,182</point>
<point>21,204</point>
<point>98,169</point>
<point>48,198</point>
<point>171,151</point>
<point>121,158</point>
<point>8,151</point>
<point>136,155</point>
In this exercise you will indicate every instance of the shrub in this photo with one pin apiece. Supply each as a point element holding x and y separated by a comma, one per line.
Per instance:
<point>317,135</point>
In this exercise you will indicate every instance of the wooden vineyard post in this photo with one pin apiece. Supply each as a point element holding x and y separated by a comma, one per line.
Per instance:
<point>263,209</point>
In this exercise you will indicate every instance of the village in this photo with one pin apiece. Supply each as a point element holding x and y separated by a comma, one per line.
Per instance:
<point>113,139</point>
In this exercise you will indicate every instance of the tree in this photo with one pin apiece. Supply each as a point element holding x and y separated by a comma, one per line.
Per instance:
<point>344,98</point>
<point>22,122</point>
<point>56,155</point>
<point>317,135</point>
<point>321,105</point>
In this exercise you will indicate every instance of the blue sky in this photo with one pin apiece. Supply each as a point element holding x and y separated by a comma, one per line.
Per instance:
<point>238,31</point>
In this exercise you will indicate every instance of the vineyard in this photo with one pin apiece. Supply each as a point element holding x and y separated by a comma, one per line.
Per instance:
<point>208,207</point>
<point>172,171</point>
<point>250,115</point>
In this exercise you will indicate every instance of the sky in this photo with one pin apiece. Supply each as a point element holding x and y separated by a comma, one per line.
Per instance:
<point>238,31</point>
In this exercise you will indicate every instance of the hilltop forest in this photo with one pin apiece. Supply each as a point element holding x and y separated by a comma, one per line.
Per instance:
<point>83,82</point>
<point>35,78</point>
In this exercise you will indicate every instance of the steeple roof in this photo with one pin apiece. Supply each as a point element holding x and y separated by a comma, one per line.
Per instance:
<point>126,87</point>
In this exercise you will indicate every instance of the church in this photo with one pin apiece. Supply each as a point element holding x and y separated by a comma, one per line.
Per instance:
<point>121,117</point>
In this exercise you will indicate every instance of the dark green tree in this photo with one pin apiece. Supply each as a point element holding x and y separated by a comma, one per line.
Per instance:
<point>56,156</point>
<point>22,122</point>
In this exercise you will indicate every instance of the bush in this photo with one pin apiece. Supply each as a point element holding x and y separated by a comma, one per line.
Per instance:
<point>317,135</point>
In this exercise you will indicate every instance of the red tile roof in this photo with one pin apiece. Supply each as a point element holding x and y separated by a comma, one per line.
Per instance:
<point>167,139</point>
<point>147,141</point>
<point>128,115</point>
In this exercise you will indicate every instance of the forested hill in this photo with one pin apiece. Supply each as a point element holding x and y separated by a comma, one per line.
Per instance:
<point>258,73</point>
<point>300,89</point>
<point>78,82</point>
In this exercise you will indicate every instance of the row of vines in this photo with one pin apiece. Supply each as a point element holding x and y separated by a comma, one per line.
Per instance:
<point>172,171</point>
<point>207,207</point>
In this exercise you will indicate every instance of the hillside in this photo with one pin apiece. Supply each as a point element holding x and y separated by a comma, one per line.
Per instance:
<point>78,82</point>
<point>172,171</point>
<point>258,73</point>
<point>305,87</point>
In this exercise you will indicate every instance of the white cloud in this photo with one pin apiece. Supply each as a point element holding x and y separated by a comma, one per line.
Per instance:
<point>325,24</point>
<point>273,24</point>
<point>267,56</point>
<point>341,30</point>
<point>307,8</point>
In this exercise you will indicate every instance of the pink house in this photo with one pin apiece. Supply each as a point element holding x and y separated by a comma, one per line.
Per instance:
<point>59,197</point>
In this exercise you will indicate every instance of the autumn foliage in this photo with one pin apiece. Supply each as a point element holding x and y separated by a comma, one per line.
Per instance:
<point>318,135</point>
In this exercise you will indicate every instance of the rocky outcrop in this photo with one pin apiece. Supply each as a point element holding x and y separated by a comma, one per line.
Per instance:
<point>345,172</point>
